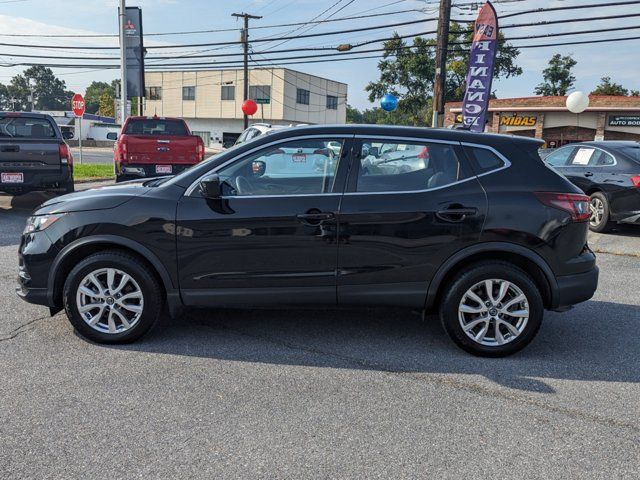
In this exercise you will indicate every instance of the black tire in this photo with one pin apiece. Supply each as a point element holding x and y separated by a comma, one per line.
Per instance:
<point>479,272</point>
<point>605,225</point>
<point>149,286</point>
<point>69,187</point>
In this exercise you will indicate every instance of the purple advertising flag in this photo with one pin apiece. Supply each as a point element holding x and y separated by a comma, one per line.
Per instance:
<point>480,75</point>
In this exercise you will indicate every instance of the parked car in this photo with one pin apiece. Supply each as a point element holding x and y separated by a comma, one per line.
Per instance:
<point>155,146</point>
<point>33,154</point>
<point>485,235</point>
<point>607,171</point>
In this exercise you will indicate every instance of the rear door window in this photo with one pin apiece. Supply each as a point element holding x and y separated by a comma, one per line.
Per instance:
<point>483,159</point>
<point>155,126</point>
<point>25,127</point>
<point>407,166</point>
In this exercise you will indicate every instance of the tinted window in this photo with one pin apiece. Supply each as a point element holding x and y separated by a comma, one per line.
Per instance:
<point>24,127</point>
<point>484,160</point>
<point>632,151</point>
<point>396,167</point>
<point>587,156</point>
<point>560,157</point>
<point>152,126</point>
<point>292,168</point>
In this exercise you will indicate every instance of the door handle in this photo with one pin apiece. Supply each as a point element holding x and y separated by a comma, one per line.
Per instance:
<point>315,217</point>
<point>588,174</point>
<point>456,214</point>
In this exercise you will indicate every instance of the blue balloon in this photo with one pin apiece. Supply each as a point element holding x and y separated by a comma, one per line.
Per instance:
<point>389,103</point>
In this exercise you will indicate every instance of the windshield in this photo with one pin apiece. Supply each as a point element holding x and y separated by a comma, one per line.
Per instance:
<point>153,126</point>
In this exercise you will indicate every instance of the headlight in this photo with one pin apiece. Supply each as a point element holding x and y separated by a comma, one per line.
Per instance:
<point>40,222</point>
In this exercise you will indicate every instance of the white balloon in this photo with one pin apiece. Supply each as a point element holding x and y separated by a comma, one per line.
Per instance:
<point>577,102</point>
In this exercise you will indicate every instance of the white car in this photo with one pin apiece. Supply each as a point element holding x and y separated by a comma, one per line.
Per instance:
<point>258,129</point>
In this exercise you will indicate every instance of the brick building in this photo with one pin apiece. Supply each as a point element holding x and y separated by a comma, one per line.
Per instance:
<point>607,118</point>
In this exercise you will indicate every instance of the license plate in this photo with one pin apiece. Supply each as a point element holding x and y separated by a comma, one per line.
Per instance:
<point>299,158</point>
<point>12,178</point>
<point>163,168</point>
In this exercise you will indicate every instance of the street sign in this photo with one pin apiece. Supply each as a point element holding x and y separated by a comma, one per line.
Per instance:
<point>77,105</point>
<point>263,101</point>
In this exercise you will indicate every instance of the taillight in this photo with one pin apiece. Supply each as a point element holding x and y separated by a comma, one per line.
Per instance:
<point>322,151</point>
<point>123,151</point>
<point>277,151</point>
<point>65,155</point>
<point>424,153</point>
<point>200,150</point>
<point>575,204</point>
<point>636,181</point>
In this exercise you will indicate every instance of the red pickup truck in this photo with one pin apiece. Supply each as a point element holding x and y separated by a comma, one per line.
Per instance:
<point>155,146</point>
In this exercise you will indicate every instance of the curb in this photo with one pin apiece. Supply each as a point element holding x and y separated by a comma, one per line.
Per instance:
<point>94,180</point>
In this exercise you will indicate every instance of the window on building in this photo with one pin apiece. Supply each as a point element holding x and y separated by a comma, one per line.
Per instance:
<point>332,102</point>
<point>153,93</point>
<point>260,92</point>
<point>188,93</point>
<point>302,96</point>
<point>228,92</point>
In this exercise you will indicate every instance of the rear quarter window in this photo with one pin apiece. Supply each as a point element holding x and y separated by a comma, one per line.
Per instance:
<point>483,160</point>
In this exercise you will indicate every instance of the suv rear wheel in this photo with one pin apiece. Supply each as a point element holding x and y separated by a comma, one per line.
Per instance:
<point>493,309</point>
<point>112,297</point>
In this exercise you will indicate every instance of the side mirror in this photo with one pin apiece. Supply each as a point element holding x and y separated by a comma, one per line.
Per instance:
<point>211,187</point>
<point>258,168</point>
<point>112,136</point>
<point>67,135</point>
<point>374,151</point>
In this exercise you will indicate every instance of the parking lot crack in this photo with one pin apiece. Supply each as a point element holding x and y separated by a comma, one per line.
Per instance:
<point>22,328</point>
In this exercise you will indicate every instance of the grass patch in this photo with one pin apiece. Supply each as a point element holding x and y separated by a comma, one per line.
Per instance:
<point>87,171</point>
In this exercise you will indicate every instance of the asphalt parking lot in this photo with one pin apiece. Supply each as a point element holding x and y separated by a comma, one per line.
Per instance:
<point>320,393</point>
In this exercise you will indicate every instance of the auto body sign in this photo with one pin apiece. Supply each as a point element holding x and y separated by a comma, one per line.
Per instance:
<point>480,75</point>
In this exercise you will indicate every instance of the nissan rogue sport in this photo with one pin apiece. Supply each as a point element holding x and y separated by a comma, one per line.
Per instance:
<point>474,227</point>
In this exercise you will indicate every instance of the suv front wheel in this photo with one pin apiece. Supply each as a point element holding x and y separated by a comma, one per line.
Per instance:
<point>112,297</point>
<point>493,309</point>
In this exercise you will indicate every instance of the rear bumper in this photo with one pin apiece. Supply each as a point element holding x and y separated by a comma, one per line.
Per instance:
<point>576,288</point>
<point>38,180</point>
<point>145,170</point>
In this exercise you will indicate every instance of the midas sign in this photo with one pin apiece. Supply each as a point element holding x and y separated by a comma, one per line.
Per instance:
<point>517,121</point>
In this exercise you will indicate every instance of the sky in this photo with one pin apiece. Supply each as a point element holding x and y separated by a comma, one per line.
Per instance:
<point>619,60</point>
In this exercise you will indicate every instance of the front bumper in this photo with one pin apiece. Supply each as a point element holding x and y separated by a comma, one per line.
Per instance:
<point>576,288</point>
<point>35,257</point>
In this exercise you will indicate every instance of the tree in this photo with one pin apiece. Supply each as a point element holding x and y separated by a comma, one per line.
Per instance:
<point>49,92</point>
<point>607,87</point>
<point>635,93</point>
<point>557,76</point>
<point>106,105</point>
<point>407,71</point>
<point>93,95</point>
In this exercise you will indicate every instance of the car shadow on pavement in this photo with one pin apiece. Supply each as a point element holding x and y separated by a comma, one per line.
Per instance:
<point>597,341</point>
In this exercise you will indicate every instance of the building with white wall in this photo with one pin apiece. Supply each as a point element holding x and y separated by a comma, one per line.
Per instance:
<point>210,101</point>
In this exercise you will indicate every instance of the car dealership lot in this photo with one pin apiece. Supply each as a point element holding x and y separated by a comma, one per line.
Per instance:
<point>304,393</point>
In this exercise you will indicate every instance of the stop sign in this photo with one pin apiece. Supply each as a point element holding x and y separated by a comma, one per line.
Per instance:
<point>77,105</point>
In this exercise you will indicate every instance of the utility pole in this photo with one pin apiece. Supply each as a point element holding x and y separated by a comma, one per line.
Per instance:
<point>123,66</point>
<point>245,41</point>
<point>441,61</point>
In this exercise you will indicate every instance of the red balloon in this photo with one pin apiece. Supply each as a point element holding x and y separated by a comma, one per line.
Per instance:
<point>249,107</point>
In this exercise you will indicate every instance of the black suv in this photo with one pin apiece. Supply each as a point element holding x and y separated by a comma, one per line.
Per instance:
<point>473,226</point>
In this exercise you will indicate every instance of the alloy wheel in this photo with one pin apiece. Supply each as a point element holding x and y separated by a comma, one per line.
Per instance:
<point>493,312</point>
<point>110,300</point>
<point>596,206</point>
